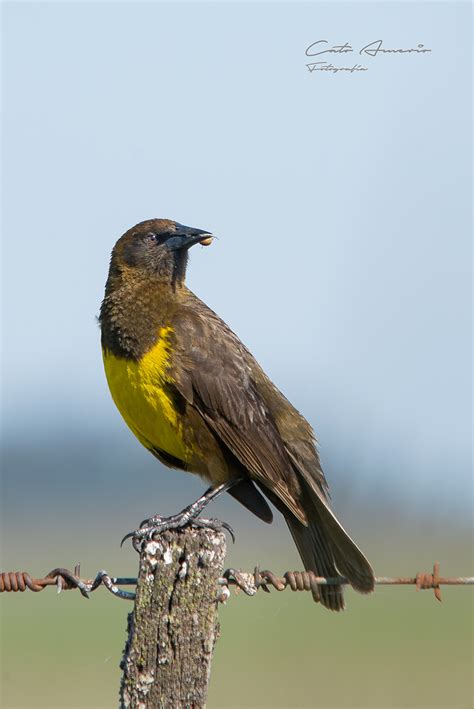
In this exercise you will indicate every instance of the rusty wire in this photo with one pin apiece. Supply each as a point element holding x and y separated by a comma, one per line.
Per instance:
<point>65,580</point>
<point>307,581</point>
<point>249,583</point>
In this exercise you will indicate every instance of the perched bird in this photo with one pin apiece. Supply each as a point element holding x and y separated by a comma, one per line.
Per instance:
<point>196,398</point>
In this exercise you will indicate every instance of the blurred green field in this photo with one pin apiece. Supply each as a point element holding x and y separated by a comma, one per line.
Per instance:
<point>395,649</point>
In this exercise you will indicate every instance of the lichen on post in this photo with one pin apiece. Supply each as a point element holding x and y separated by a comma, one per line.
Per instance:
<point>174,625</point>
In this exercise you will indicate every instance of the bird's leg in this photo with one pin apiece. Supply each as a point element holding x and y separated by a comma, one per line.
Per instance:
<point>191,511</point>
<point>157,523</point>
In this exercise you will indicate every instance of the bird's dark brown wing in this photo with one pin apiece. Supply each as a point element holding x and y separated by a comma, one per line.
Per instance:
<point>219,377</point>
<point>211,369</point>
<point>296,433</point>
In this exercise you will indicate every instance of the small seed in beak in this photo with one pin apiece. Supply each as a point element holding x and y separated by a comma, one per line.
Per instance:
<point>206,241</point>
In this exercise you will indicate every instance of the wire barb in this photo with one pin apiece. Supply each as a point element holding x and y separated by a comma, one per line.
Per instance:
<point>424,581</point>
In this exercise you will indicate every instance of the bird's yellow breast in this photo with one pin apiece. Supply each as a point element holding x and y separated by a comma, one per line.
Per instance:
<point>139,390</point>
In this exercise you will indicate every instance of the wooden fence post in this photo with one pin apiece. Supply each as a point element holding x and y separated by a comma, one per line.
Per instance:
<point>174,624</point>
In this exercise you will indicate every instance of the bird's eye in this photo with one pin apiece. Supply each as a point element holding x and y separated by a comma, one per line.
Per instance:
<point>151,237</point>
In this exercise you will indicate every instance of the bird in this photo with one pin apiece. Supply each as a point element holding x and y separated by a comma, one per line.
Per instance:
<point>197,399</point>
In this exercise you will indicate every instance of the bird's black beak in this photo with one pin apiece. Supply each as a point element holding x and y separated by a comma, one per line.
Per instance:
<point>186,236</point>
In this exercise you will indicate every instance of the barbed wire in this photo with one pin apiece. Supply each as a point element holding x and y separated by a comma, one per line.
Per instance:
<point>65,580</point>
<point>249,583</point>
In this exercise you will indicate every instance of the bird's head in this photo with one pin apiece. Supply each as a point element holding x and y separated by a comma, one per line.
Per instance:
<point>158,249</point>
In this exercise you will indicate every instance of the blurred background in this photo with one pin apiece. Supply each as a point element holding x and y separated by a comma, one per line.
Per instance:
<point>341,203</point>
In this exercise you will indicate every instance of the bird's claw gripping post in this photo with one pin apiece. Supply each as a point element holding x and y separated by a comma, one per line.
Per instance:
<point>216,524</point>
<point>189,516</point>
<point>148,533</point>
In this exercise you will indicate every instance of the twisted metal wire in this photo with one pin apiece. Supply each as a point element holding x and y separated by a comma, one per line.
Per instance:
<point>65,580</point>
<point>249,583</point>
<point>308,581</point>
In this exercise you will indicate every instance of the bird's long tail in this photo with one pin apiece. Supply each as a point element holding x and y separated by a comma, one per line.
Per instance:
<point>327,550</point>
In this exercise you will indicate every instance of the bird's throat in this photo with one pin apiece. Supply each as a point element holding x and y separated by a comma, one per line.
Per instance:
<point>132,315</point>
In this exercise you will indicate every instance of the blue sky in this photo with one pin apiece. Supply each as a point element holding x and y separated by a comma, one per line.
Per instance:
<point>341,203</point>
